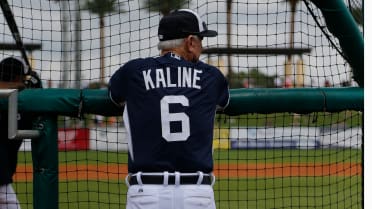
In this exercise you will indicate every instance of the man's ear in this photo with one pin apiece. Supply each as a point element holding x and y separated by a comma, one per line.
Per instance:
<point>189,43</point>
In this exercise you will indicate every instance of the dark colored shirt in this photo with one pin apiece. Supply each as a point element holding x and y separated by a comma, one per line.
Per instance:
<point>170,106</point>
<point>9,148</point>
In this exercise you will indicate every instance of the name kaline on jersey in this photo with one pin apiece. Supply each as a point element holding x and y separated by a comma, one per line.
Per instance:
<point>186,77</point>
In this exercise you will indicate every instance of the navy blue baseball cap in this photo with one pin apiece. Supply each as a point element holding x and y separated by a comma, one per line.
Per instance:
<point>11,67</point>
<point>182,23</point>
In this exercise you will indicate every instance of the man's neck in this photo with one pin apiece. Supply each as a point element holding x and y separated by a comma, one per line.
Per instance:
<point>177,52</point>
<point>166,51</point>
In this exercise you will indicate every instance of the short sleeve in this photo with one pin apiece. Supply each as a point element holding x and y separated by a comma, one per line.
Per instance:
<point>117,86</point>
<point>224,93</point>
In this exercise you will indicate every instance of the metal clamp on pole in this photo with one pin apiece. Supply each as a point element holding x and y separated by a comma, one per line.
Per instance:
<point>13,132</point>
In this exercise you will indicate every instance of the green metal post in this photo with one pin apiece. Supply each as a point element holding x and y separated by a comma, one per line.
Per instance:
<point>45,164</point>
<point>342,25</point>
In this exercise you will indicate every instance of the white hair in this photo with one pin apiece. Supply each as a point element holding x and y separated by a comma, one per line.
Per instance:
<point>170,44</point>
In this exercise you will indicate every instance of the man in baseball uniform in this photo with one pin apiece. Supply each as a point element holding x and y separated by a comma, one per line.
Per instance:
<point>170,103</point>
<point>14,74</point>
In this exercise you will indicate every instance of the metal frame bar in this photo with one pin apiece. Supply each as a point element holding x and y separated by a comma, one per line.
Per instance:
<point>13,132</point>
<point>256,51</point>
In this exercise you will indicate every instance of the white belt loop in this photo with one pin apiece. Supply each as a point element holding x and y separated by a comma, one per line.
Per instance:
<point>177,180</point>
<point>127,180</point>
<point>213,179</point>
<point>200,178</point>
<point>139,179</point>
<point>166,178</point>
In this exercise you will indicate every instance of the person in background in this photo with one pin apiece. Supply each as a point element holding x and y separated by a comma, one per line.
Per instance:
<point>14,74</point>
<point>327,83</point>
<point>170,102</point>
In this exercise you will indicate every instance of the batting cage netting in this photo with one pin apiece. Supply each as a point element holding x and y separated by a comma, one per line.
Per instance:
<point>292,136</point>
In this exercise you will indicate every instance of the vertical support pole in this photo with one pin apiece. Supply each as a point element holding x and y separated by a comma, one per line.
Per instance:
<point>45,164</point>
<point>342,25</point>
<point>77,45</point>
<point>300,73</point>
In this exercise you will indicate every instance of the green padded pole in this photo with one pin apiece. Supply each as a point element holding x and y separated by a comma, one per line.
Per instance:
<point>54,101</point>
<point>75,103</point>
<point>45,164</point>
<point>342,25</point>
<point>298,100</point>
<point>71,102</point>
<point>98,102</point>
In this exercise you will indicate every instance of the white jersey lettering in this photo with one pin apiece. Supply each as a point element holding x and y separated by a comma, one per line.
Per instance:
<point>169,81</point>
<point>147,79</point>
<point>186,81</point>
<point>160,78</point>
<point>196,78</point>
<point>167,78</point>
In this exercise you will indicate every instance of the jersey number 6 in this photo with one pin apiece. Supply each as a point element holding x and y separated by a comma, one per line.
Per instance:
<point>167,118</point>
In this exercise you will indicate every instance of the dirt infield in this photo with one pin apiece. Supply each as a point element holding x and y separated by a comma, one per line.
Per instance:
<point>105,172</point>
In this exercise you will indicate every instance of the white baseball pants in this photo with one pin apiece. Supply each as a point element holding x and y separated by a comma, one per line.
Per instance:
<point>8,198</point>
<point>166,194</point>
<point>170,197</point>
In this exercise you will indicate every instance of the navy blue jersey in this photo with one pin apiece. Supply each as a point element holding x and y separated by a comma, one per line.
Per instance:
<point>9,148</point>
<point>170,106</point>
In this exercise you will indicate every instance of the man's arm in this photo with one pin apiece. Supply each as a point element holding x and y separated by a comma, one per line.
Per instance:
<point>12,85</point>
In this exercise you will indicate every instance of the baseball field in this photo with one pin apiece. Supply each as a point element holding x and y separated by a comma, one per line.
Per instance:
<point>245,179</point>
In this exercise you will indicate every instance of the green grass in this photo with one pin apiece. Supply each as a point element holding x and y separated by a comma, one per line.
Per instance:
<point>81,157</point>
<point>80,194</point>
<point>327,192</point>
<point>290,192</point>
<point>288,156</point>
<point>220,156</point>
<point>317,119</point>
<point>242,193</point>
